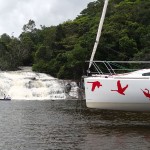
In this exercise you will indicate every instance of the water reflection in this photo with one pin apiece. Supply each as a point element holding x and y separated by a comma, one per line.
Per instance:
<point>43,125</point>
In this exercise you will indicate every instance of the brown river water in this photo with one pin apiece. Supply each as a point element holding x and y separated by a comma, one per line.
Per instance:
<point>69,125</point>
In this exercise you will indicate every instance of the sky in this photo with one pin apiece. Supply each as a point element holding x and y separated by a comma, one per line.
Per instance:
<point>14,14</point>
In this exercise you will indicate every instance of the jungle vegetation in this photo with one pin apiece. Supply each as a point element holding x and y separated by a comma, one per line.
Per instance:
<point>62,50</point>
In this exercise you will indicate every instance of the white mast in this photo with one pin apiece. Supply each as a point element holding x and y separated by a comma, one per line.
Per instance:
<point>99,32</point>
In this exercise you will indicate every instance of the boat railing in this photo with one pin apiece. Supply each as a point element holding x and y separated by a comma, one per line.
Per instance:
<point>114,67</point>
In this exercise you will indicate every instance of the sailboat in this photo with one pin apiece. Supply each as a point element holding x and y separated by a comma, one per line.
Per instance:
<point>116,91</point>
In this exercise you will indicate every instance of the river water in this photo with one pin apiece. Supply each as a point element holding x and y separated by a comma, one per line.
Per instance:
<point>69,125</point>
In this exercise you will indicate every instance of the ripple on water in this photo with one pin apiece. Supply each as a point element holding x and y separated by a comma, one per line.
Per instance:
<point>43,125</point>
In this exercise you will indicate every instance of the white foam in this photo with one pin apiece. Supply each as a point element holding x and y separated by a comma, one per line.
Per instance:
<point>28,85</point>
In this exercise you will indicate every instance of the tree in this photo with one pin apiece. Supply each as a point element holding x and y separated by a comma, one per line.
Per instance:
<point>5,38</point>
<point>29,27</point>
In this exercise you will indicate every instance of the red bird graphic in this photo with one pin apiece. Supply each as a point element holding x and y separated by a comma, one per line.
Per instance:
<point>147,94</point>
<point>121,89</point>
<point>95,84</point>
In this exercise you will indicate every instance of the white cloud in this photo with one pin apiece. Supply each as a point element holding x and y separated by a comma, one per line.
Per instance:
<point>16,13</point>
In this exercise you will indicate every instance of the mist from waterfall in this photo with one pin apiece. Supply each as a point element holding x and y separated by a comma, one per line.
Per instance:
<point>25,84</point>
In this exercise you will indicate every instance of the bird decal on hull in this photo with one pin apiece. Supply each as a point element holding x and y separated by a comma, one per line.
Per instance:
<point>146,93</point>
<point>95,84</point>
<point>121,90</point>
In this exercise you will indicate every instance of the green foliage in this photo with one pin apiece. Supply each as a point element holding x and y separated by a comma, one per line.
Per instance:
<point>5,38</point>
<point>74,63</point>
<point>62,50</point>
<point>29,27</point>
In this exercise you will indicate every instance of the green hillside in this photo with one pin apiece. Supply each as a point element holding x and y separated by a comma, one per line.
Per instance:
<point>62,50</point>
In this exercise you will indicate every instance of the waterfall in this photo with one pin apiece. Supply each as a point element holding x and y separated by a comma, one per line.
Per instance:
<point>25,84</point>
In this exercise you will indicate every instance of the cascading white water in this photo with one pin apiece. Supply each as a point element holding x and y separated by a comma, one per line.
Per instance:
<point>27,85</point>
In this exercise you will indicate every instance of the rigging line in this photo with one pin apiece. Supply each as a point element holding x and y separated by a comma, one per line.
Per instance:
<point>99,32</point>
<point>110,67</point>
<point>97,68</point>
<point>117,65</point>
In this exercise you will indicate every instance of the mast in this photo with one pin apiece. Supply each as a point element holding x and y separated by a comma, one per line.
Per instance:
<point>99,32</point>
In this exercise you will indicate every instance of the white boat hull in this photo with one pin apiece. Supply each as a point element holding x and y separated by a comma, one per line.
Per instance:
<point>131,94</point>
